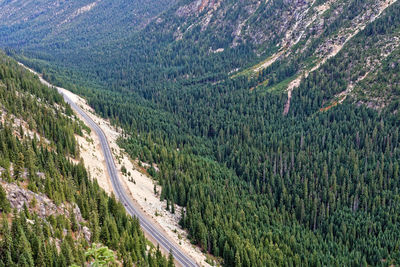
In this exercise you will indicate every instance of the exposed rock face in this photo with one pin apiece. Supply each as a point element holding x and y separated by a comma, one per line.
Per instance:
<point>19,197</point>
<point>86,233</point>
<point>194,8</point>
<point>187,10</point>
<point>45,207</point>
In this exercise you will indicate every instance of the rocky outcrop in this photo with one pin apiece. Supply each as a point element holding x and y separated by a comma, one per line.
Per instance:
<point>188,10</point>
<point>43,206</point>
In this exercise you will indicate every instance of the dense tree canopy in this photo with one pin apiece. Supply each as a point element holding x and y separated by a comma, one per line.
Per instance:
<point>316,187</point>
<point>28,239</point>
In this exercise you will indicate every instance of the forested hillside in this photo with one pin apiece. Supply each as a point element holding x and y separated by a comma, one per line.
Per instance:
<point>61,25</point>
<point>273,43</point>
<point>275,123</point>
<point>52,214</point>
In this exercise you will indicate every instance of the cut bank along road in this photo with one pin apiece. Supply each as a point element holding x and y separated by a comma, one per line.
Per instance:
<point>119,191</point>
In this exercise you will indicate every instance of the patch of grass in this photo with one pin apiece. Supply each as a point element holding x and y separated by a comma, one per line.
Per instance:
<point>310,62</point>
<point>246,72</point>
<point>282,86</point>
<point>299,44</point>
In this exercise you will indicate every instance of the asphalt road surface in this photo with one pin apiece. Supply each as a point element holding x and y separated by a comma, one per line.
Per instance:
<point>123,197</point>
<point>119,191</point>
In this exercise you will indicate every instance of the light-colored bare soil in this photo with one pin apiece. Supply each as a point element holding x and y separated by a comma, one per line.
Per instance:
<point>333,46</point>
<point>293,84</point>
<point>139,186</point>
<point>90,151</point>
<point>294,34</point>
<point>79,11</point>
<point>17,123</point>
<point>269,61</point>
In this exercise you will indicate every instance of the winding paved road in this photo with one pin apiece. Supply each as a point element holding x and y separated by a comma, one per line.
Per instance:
<point>119,191</point>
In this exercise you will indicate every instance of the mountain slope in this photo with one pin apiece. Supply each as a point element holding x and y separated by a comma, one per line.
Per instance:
<point>71,24</point>
<point>58,212</point>
<point>195,41</point>
<point>202,93</point>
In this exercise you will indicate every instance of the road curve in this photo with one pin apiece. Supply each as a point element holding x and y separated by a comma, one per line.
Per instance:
<point>123,197</point>
<point>119,191</point>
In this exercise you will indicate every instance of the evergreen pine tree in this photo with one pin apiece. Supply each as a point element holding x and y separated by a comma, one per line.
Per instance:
<point>170,259</point>
<point>19,166</point>
<point>4,203</point>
